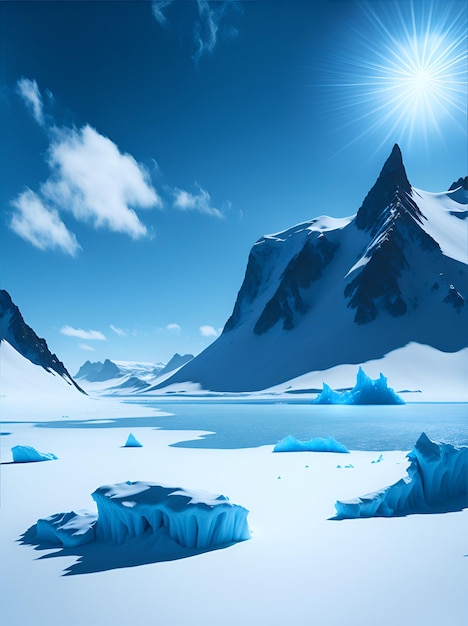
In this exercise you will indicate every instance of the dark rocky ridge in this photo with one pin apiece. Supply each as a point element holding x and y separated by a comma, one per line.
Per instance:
<point>22,337</point>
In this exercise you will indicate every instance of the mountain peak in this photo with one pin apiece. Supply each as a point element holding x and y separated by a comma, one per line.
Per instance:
<point>392,179</point>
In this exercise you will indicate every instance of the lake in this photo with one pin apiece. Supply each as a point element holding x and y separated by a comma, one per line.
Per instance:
<point>243,424</point>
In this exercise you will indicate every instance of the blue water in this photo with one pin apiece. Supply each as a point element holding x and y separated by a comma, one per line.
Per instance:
<point>250,424</point>
<point>244,424</point>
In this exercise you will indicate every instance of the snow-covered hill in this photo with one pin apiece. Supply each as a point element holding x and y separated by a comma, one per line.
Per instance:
<point>347,291</point>
<point>23,339</point>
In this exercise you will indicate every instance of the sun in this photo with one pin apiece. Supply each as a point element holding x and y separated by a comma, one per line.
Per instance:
<point>407,76</point>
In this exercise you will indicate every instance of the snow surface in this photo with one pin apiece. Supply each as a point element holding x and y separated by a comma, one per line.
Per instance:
<point>318,444</point>
<point>442,223</point>
<point>30,393</point>
<point>194,519</point>
<point>365,391</point>
<point>437,478</point>
<point>132,442</point>
<point>28,454</point>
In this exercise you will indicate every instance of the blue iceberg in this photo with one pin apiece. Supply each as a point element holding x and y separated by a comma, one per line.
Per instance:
<point>291,444</point>
<point>28,454</point>
<point>365,391</point>
<point>436,482</point>
<point>193,519</point>
<point>132,442</point>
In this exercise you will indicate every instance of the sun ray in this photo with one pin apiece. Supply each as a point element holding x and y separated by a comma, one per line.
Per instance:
<point>408,76</point>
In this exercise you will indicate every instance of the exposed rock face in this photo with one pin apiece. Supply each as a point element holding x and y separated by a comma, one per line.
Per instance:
<point>14,329</point>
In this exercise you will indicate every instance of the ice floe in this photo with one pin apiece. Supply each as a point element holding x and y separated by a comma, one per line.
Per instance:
<point>318,444</point>
<point>28,454</point>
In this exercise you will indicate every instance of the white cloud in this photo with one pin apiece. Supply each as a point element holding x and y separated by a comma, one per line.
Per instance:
<point>83,334</point>
<point>199,201</point>
<point>98,183</point>
<point>208,331</point>
<point>175,328</point>
<point>84,346</point>
<point>118,331</point>
<point>157,8</point>
<point>41,225</point>
<point>31,95</point>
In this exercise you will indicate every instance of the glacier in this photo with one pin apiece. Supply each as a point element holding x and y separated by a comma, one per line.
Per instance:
<point>193,519</point>
<point>318,444</point>
<point>365,391</point>
<point>132,442</point>
<point>437,481</point>
<point>28,454</point>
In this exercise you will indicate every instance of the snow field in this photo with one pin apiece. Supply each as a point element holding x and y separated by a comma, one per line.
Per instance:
<point>298,564</point>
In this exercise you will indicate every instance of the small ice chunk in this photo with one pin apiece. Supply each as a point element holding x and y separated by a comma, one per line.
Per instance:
<point>132,442</point>
<point>66,529</point>
<point>365,391</point>
<point>291,444</point>
<point>28,454</point>
<point>379,460</point>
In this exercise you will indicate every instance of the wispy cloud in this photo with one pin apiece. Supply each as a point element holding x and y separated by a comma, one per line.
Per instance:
<point>199,201</point>
<point>29,91</point>
<point>206,30</point>
<point>208,331</point>
<point>174,328</point>
<point>117,331</point>
<point>89,335</point>
<point>97,183</point>
<point>157,8</point>
<point>84,346</point>
<point>41,225</point>
<point>210,24</point>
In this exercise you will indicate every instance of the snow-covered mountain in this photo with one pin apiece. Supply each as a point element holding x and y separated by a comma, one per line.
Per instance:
<point>126,376</point>
<point>346,291</point>
<point>23,339</point>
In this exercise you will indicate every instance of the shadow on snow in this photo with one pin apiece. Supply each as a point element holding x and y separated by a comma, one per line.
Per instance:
<point>101,556</point>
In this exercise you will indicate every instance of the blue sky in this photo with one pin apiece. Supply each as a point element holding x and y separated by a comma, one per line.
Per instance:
<point>147,145</point>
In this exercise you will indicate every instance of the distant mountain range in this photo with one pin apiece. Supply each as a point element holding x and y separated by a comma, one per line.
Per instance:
<point>15,331</point>
<point>127,376</point>
<point>345,291</point>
